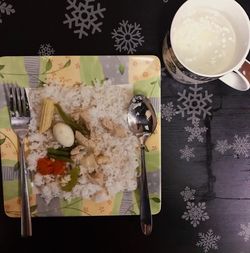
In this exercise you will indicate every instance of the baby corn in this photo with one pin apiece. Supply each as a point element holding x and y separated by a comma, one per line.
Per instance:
<point>47,115</point>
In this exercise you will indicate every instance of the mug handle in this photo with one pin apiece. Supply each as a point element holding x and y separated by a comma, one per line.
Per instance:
<point>238,79</point>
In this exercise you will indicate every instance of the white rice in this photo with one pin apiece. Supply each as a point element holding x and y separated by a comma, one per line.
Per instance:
<point>101,101</point>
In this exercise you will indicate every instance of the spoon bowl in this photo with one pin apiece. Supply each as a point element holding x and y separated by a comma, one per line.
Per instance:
<point>142,122</point>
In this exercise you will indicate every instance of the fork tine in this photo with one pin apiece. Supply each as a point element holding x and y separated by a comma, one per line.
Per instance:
<point>13,102</point>
<point>7,94</point>
<point>19,104</point>
<point>25,103</point>
<point>10,96</point>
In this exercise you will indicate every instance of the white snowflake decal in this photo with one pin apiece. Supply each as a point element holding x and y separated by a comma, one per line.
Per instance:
<point>222,146</point>
<point>241,146</point>
<point>196,131</point>
<point>5,9</point>
<point>245,231</point>
<point>208,241</point>
<point>187,153</point>
<point>83,17</point>
<point>168,111</point>
<point>127,37</point>
<point>46,49</point>
<point>188,194</point>
<point>195,103</point>
<point>195,213</point>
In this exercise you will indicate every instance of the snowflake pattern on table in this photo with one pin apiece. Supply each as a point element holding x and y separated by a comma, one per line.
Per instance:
<point>84,17</point>
<point>5,9</point>
<point>195,213</point>
<point>187,153</point>
<point>241,146</point>
<point>188,194</point>
<point>195,104</point>
<point>245,231</point>
<point>208,241</point>
<point>222,146</point>
<point>196,131</point>
<point>46,49</point>
<point>168,111</point>
<point>127,37</point>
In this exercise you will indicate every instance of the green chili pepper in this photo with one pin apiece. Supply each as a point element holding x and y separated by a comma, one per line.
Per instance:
<point>74,174</point>
<point>58,157</point>
<point>72,123</point>
<point>58,152</point>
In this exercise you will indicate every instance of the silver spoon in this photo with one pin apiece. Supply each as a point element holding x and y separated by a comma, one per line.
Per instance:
<point>142,122</point>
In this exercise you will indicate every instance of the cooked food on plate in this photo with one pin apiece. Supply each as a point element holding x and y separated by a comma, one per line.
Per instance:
<point>79,141</point>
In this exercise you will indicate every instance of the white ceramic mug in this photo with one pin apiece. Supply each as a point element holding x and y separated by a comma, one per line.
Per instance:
<point>186,51</point>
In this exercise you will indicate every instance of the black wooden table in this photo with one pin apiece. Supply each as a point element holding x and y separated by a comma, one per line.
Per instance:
<point>205,165</point>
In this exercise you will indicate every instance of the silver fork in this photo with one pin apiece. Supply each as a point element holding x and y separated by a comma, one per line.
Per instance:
<point>18,107</point>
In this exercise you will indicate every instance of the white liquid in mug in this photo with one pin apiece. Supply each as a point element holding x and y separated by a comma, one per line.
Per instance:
<point>205,42</point>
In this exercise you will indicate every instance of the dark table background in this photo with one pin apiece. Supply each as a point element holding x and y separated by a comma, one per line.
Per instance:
<point>220,180</point>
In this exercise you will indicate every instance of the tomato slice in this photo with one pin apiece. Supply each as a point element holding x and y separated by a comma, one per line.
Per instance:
<point>44,166</point>
<point>59,167</point>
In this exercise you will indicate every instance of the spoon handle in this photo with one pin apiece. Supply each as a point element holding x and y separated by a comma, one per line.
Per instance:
<point>145,212</point>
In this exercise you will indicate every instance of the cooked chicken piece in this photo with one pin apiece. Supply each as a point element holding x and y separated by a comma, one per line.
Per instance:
<point>78,149</point>
<point>76,114</point>
<point>120,132</point>
<point>115,129</point>
<point>81,139</point>
<point>85,116</point>
<point>77,153</point>
<point>102,159</point>
<point>91,144</point>
<point>89,162</point>
<point>84,141</point>
<point>76,158</point>
<point>108,124</point>
<point>96,177</point>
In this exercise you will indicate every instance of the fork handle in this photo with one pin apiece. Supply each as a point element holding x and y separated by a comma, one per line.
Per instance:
<point>26,226</point>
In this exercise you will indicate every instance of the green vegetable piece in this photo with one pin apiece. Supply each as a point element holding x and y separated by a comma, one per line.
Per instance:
<point>146,148</point>
<point>16,166</point>
<point>48,65</point>
<point>74,173</point>
<point>58,157</point>
<point>132,212</point>
<point>67,64</point>
<point>58,152</point>
<point>72,123</point>
<point>121,69</point>
<point>41,83</point>
<point>33,208</point>
<point>66,149</point>
<point>2,141</point>
<point>156,200</point>
<point>1,67</point>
